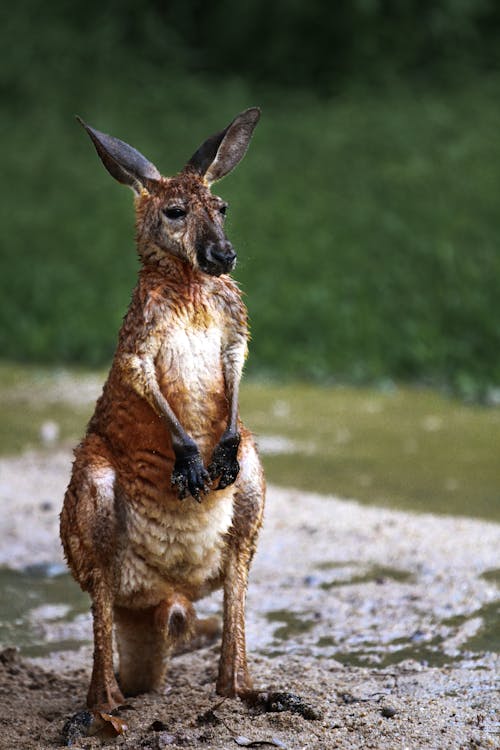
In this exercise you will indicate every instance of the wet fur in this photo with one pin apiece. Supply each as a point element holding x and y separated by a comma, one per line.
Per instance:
<point>143,555</point>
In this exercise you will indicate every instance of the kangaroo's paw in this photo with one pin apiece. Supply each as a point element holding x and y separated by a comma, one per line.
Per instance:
<point>224,462</point>
<point>189,476</point>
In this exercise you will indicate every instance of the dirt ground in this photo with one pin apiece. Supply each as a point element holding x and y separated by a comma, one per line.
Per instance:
<point>379,620</point>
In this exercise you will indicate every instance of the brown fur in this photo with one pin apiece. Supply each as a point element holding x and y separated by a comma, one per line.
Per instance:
<point>142,554</point>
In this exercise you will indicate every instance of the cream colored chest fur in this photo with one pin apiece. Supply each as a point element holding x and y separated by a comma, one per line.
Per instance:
<point>174,550</point>
<point>190,358</point>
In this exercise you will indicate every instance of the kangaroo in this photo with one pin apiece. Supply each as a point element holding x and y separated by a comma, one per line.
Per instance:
<point>166,496</point>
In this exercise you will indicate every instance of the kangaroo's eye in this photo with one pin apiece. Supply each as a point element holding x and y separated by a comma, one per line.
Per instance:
<point>175,212</point>
<point>223,210</point>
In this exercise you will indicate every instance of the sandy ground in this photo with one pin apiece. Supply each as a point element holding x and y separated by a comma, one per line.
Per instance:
<point>374,617</point>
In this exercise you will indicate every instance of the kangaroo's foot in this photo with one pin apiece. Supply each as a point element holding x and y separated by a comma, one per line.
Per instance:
<point>104,695</point>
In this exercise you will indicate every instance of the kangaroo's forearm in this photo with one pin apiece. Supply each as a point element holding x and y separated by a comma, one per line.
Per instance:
<point>189,475</point>
<point>141,375</point>
<point>234,405</point>
<point>233,367</point>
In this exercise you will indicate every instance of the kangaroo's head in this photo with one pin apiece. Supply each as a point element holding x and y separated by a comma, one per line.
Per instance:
<point>178,215</point>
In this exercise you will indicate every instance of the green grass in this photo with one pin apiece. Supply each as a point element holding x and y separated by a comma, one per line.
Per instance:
<point>367,225</point>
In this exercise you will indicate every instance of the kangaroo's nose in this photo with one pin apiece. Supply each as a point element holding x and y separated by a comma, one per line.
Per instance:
<point>215,256</point>
<point>223,254</point>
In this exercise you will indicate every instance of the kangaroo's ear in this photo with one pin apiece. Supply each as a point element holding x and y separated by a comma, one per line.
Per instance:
<point>122,161</point>
<point>221,152</point>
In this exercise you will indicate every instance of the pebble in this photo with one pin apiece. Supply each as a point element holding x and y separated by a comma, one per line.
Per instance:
<point>49,432</point>
<point>388,712</point>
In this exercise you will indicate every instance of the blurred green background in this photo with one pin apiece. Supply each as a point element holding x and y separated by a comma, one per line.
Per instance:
<point>365,214</point>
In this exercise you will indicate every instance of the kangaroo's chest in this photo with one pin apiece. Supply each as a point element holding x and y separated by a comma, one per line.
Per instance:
<point>190,372</point>
<point>190,355</point>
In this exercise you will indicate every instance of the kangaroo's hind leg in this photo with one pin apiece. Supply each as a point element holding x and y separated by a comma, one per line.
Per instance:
<point>234,678</point>
<point>104,693</point>
<point>90,531</point>
<point>146,638</point>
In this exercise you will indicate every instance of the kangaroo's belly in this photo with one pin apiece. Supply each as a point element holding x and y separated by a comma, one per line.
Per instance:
<point>178,548</point>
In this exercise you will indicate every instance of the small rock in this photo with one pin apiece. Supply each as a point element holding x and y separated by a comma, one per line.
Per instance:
<point>165,739</point>
<point>311,580</point>
<point>348,698</point>
<point>276,702</point>
<point>417,636</point>
<point>158,726</point>
<point>388,712</point>
<point>46,505</point>
<point>76,726</point>
<point>208,717</point>
<point>49,432</point>
<point>10,656</point>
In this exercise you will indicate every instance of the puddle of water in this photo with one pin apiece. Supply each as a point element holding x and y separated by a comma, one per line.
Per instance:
<point>376,574</point>
<point>304,631</point>
<point>370,654</point>
<point>426,655</point>
<point>430,653</point>
<point>488,636</point>
<point>35,602</point>
<point>362,443</point>
<point>293,624</point>
<point>372,445</point>
<point>492,575</point>
<point>334,564</point>
<point>42,610</point>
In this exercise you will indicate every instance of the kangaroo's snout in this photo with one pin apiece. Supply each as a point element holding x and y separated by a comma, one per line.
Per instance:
<point>216,258</point>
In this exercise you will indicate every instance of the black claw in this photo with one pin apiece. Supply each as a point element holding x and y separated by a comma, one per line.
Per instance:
<point>189,475</point>
<point>192,480</point>
<point>226,479</point>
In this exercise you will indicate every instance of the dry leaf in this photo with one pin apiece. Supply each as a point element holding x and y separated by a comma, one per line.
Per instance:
<point>119,726</point>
